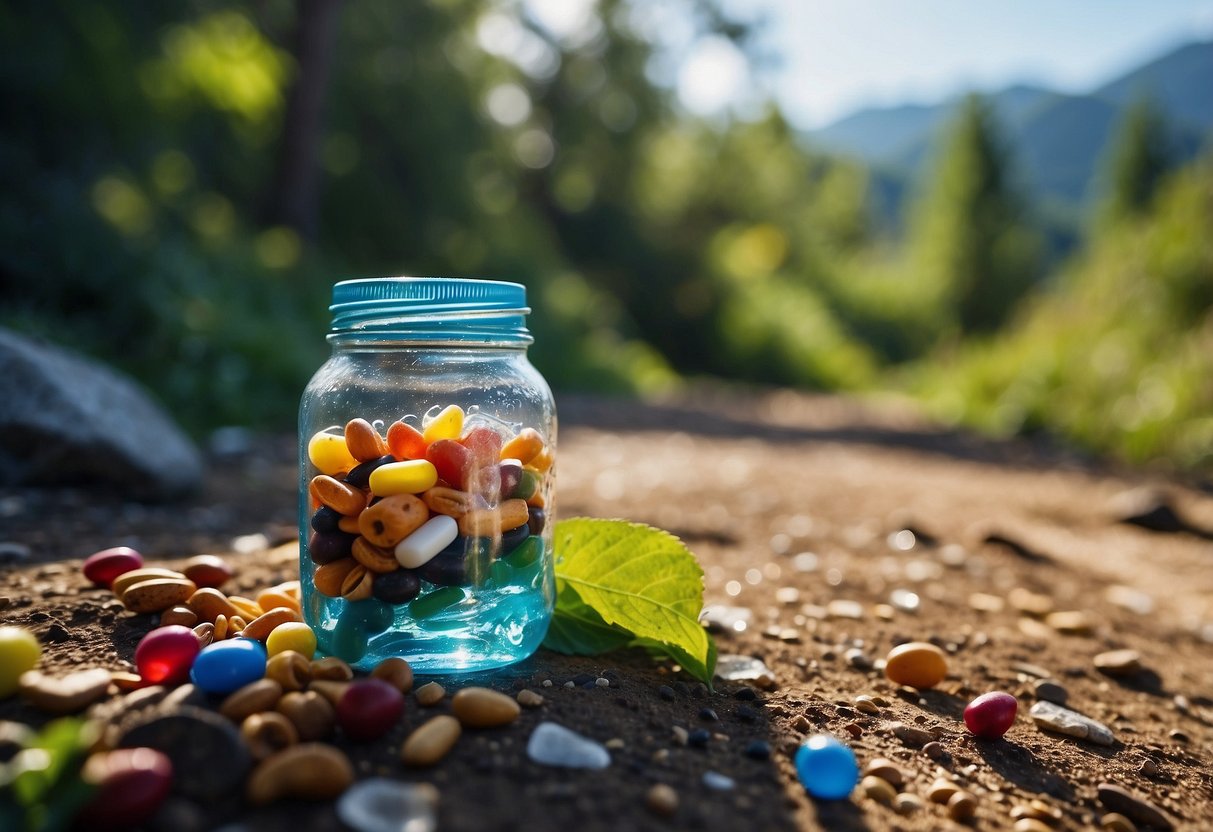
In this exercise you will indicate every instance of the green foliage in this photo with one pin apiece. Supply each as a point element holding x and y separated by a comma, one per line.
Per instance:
<point>970,245</point>
<point>40,787</point>
<point>621,583</point>
<point>1136,163</point>
<point>1118,355</point>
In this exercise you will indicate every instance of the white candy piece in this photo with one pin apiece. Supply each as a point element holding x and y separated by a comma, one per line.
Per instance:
<point>420,547</point>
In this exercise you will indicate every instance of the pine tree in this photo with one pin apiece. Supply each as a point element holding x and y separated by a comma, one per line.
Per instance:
<point>1136,162</point>
<point>970,245</point>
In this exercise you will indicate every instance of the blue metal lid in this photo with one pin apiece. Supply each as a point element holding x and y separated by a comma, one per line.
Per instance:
<point>429,309</point>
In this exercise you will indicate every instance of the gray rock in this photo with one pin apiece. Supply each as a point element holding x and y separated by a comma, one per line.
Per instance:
<point>1046,690</point>
<point>1050,717</point>
<point>554,745</point>
<point>65,419</point>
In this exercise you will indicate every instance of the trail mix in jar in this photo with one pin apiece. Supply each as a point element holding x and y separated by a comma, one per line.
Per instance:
<point>412,516</point>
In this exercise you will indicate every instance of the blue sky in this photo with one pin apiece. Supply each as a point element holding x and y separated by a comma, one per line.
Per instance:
<point>836,57</point>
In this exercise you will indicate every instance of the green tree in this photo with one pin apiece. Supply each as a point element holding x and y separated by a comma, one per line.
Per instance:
<point>1135,164</point>
<point>971,247</point>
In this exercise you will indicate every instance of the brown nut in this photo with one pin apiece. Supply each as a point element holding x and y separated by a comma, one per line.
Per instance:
<point>392,519</point>
<point>328,578</point>
<point>207,570</point>
<point>267,733</point>
<point>126,682</point>
<point>220,628</point>
<point>332,668</point>
<point>128,579</point>
<point>247,608</point>
<point>311,771</point>
<point>358,584</point>
<point>235,626</point>
<point>290,668</point>
<point>478,707</point>
<point>341,497</point>
<point>491,522</point>
<point>310,713</point>
<point>157,594</point>
<point>183,616</point>
<point>431,741</point>
<point>363,441</point>
<point>330,689</point>
<point>275,597</point>
<point>396,672</point>
<point>205,633</point>
<point>209,603</point>
<point>448,501</point>
<point>372,557</point>
<point>261,626</point>
<point>253,698</point>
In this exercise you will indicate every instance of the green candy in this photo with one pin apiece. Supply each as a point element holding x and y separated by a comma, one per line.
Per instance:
<point>435,602</point>
<point>348,640</point>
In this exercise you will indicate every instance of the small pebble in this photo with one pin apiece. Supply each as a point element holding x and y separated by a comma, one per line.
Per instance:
<point>600,682</point>
<point>708,715</point>
<point>934,750</point>
<point>878,789</point>
<point>842,608</point>
<point>758,750</point>
<point>864,704</point>
<point>667,693</point>
<point>941,791</point>
<point>384,805</point>
<point>1136,808</point>
<point>1070,622</point>
<point>661,800</point>
<point>1047,690</point>
<point>826,767</point>
<point>1061,720</point>
<point>64,694</point>
<point>1118,662</point>
<point>554,745</point>
<point>699,738</point>
<point>734,668</point>
<point>1116,822</point>
<point>430,693</point>
<point>529,699</point>
<point>907,804</point>
<point>886,770</point>
<point>1030,825</point>
<point>858,659</point>
<point>962,806</point>
<point>718,782</point>
<point>679,735</point>
<point>911,735</point>
<point>745,694</point>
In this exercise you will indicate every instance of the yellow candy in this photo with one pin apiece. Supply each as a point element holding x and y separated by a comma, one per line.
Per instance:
<point>918,664</point>
<point>293,635</point>
<point>329,453</point>
<point>446,425</point>
<point>524,447</point>
<point>411,477</point>
<point>19,651</point>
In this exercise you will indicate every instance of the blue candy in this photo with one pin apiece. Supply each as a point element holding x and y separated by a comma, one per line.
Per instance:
<point>227,665</point>
<point>827,768</point>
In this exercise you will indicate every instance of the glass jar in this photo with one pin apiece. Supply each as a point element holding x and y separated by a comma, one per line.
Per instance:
<point>427,473</point>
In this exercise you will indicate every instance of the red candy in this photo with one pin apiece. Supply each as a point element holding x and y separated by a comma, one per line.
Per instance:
<point>369,708</point>
<point>485,445</point>
<point>405,441</point>
<point>102,567</point>
<point>131,784</point>
<point>452,460</point>
<point>991,714</point>
<point>166,654</point>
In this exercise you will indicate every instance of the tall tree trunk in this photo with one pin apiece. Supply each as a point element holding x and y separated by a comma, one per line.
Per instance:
<point>295,193</point>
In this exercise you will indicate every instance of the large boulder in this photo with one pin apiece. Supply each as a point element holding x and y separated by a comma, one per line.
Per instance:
<point>68,420</point>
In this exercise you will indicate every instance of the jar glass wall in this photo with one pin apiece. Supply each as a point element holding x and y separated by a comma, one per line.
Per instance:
<point>427,474</point>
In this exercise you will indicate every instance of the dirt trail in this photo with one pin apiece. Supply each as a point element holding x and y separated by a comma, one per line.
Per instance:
<point>791,502</point>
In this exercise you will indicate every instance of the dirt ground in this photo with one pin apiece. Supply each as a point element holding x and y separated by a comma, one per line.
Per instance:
<point>793,504</point>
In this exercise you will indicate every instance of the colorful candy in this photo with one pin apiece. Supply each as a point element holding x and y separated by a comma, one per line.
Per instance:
<point>991,715</point>
<point>224,666</point>
<point>427,541</point>
<point>827,768</point>
<point>102,567</point>
<point>19,652</point>
<point>412,517</point>
<point>918,664</point>
<point>369,708</point>
<point>130,784</point>
<point>293,635</point>
<point>410,477</point>
<point>165,655</point>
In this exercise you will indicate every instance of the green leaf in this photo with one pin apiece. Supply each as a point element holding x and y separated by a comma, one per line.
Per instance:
<point>635,578</point>
<point>579,631</point>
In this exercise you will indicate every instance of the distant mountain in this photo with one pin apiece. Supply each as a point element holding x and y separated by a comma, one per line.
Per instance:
<point>1058,140</point>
